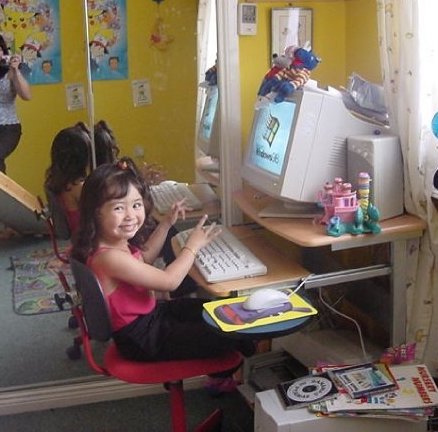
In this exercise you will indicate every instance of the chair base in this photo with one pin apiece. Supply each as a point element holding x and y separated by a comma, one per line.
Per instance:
<point>213,423</point>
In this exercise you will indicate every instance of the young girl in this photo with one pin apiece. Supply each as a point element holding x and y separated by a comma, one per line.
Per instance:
<point>107,151</point>
<point>116,242</point>
<point>70,163</point>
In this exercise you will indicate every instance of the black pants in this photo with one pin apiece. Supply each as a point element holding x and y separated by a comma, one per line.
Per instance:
<point>175,330</point>
<point>9,139</point>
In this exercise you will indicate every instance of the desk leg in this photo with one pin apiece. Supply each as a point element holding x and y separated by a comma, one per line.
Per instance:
<point>398,292</point>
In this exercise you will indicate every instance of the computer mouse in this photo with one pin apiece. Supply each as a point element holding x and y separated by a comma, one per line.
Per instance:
<point>265,298</point>
<point>169,182</point>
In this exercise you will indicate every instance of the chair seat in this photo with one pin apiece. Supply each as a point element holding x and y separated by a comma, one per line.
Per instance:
<point>153,372</point>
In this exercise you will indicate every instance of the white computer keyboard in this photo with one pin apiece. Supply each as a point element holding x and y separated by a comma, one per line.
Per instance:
<point>225,258</point>
<point>167,193</point>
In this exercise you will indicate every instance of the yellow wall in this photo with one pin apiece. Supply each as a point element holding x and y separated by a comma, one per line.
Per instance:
<point>165,129</point>
<point>344,37</point>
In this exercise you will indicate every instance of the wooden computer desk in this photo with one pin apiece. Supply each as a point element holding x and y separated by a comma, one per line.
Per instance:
<point>305,232</point>
<point>211,204</point>
<point>281,271</point>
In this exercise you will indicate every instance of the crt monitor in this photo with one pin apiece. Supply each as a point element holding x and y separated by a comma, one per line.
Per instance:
<point>208,130</point>
<point>298,145</point>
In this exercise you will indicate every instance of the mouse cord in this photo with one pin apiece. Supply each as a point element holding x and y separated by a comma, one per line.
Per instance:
<point>359,330</point>
<point>302,283</point>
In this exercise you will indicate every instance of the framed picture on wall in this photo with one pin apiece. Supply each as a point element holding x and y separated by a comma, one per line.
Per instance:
<point>290,26</point>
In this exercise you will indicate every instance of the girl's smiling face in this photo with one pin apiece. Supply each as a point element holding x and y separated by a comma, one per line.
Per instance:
<point>121,218</point>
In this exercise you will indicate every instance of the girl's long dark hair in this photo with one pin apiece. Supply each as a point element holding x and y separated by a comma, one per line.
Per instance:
<point>105,143</point>
<point>108,182</point>
<point>70,157</point>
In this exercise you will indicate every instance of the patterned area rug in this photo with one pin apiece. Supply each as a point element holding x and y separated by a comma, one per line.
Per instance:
<point>36,282</point>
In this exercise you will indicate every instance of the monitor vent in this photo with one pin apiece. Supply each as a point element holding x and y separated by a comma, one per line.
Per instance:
<point>338,155</point>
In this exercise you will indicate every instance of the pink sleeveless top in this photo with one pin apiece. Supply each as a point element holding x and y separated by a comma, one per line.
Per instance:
<point>127,302</point>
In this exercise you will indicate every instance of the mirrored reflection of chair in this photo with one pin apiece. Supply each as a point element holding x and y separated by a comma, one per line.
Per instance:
<point>94,322</point>
<point>57,224</point>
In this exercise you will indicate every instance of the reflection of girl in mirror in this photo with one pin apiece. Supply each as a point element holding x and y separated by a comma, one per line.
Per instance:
<point>12,83</point>
<point>117,240</point>
<point>70,163</point>
<point>105,143</point>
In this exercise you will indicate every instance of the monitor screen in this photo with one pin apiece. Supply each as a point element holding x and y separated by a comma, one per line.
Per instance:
<point>271,135</point>
<point>207,133</point>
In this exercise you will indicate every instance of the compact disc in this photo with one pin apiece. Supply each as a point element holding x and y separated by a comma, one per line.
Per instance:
<point>309,389</point>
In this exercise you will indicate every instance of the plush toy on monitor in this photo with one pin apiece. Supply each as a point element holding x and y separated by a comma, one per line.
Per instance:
<point>277,86</point>
<point>279,62</point>
<point>210,77</point>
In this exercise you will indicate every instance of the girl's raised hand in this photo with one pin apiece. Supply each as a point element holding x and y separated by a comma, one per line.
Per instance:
<point>177,211</point>
<point>202,235</point>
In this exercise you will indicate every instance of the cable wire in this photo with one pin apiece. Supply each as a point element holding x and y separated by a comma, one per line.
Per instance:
<point>359,330</point>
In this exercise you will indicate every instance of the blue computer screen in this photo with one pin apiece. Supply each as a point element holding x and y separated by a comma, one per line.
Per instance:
<point>271,133</point>
<point>208,114</point>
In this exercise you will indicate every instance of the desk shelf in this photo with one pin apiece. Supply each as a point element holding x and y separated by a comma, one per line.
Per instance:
<point>308,233</point>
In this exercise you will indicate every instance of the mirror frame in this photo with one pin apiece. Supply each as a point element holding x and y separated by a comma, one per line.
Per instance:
<point>230,110</point>
<point>96,388</point>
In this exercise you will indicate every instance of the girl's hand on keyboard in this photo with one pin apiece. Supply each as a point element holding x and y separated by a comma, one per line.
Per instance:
<point>177,211</point>
<point>202,235</point>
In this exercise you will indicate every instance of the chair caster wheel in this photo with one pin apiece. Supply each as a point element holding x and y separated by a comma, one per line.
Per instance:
<point>73,323</point>
<point>74,352</point>
<point>59,301</point>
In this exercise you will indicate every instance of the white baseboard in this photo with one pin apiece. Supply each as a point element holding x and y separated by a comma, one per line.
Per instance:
<point>79,391</point>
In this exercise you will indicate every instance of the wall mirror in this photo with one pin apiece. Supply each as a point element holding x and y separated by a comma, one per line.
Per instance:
<point>42,376</point>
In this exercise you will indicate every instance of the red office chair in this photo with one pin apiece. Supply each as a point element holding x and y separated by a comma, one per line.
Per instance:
<point>58,228</point>
<point>56,221</point>
<point>94,323</point>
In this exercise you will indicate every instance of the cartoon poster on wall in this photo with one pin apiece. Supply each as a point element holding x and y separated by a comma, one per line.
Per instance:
<point>107,39</point>
<point>31,29</point>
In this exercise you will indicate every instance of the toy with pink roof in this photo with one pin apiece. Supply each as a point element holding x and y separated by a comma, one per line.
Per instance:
<point>348,211</point>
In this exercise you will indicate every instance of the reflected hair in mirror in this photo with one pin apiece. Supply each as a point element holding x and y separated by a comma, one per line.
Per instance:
<point>70,157</point>
<point>105,143</point>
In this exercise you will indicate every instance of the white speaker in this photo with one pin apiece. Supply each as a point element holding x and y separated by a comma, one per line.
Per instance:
<point>380,156</point>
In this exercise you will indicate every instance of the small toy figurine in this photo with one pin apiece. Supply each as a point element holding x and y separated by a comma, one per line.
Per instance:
<point>211,75</point>
<point>277,87</point>
<point>348,212</point>
<point>279,62</point>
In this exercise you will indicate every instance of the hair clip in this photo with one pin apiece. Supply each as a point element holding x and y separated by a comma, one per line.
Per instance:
<point>123,165</point>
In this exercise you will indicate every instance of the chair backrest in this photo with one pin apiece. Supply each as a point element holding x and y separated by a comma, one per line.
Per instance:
<point>59,219</point>
<point>93,302</point>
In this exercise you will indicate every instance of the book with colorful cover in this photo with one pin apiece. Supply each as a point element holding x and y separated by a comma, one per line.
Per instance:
<point>416,389</point>
<point>230,315</point>
<point>363,379</point>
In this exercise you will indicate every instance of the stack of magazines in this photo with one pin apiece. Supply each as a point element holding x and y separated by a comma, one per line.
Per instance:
<point>371,390</point>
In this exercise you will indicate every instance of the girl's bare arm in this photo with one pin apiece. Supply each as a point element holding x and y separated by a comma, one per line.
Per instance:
<point>122,266</point>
